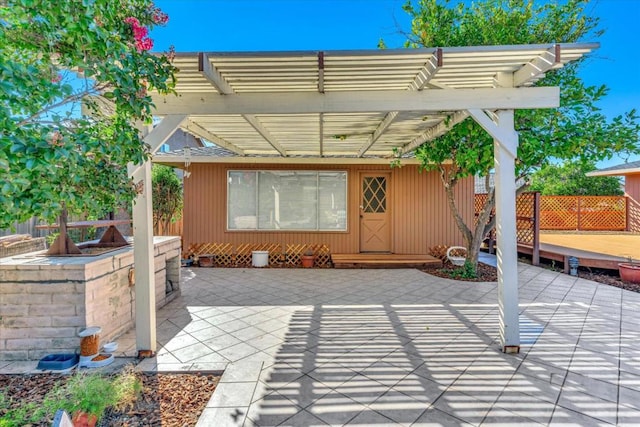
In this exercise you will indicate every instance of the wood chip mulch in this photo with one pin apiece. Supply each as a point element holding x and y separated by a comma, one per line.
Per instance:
<point>487,273</point>
<point>166,399</point>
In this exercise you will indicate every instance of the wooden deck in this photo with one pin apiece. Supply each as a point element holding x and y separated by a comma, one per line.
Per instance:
<point>595,249</point>
<point>384,260</point>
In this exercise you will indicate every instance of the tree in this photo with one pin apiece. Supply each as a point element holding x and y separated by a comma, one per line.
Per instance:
<point>570,179</point>
<point>577,129</point>
<point>167,197</point>
<point>74,77</point>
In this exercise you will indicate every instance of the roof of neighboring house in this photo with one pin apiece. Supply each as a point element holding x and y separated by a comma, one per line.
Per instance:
<point>622,169</point>
<point>355,105</point>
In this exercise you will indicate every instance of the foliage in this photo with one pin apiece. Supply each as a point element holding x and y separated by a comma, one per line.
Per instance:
<point>467,271</point>
<point>570,179</point>
<point>577,129</point>
<point>92,393</point>
<point>167,197</point>
<point>74,77</point>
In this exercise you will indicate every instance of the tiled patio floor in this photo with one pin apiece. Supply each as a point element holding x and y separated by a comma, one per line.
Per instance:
<point>400,347</point>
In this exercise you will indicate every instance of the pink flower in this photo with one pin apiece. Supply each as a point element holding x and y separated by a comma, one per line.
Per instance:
<point>132,21</point>
<point>57,78</point>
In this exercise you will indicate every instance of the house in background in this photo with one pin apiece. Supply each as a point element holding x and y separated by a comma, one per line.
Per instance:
<point>352,205</point>
<point>630,172</point>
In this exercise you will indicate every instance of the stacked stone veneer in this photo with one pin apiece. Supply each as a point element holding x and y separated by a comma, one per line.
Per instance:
<point>46,301</point>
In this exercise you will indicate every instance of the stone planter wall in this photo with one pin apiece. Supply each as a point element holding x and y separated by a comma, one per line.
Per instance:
<point>22,247</point>
<point>46,301</point>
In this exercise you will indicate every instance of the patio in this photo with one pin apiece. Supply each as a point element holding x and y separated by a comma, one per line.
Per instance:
<point>400,347</point>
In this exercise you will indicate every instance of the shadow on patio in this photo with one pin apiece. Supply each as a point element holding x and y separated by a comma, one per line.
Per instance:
<point>402,347</point>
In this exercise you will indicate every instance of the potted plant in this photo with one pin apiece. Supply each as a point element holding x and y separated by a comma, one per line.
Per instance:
<point>629,271</point>
<point>308,258</point>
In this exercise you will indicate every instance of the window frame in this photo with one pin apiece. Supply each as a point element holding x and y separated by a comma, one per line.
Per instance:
<point>257,172</point>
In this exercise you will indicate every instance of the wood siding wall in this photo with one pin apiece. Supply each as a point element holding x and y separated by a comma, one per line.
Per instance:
<point>632,186</point>
<point>420,214</point>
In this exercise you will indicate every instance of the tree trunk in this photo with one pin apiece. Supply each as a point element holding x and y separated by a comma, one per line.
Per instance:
<point>473,239</point>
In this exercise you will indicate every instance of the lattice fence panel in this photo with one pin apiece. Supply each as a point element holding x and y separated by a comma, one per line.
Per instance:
<point>244,257</point>
<point>478,202</point>
<point>293,252</point>
<point>634,215</point>
<point>525,220</point>
<point>223,252</point>
<point>602,213</point>
<point>558,213</point>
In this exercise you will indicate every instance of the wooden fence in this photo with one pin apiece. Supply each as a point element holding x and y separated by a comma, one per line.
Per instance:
<point>633,215</point>
<point>527,225</point>
<point>583,213</point>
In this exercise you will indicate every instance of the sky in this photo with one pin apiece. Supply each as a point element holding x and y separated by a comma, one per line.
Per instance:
<point>276,25</point>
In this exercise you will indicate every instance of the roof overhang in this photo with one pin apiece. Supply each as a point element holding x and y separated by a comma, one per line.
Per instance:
<point>620,170</point>
<point>364,106</point>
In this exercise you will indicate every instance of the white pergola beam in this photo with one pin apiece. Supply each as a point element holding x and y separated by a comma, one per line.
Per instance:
<point>382,126</point>
<point>264,132</point>
<point>505,149</point>
<point>435,131</point>
<point>358,101</point>
<point>212,74</point>
<point>423,77</point>
<point>199,131</point>
<point>163,131</point>
<point>428,71</point>
<point>540,65</point>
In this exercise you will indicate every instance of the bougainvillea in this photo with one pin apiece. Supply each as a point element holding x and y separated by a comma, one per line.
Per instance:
<point>74,77</point>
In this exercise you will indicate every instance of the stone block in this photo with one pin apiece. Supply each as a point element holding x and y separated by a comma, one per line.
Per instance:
<point>52,310</point>
<point>36,299</point>
<point>13,310</point>
<point>28,343</point>
<point>76,321</point>
<point>48,288</point>
<point>8,333</point>
<point>27,321</point>
<point>58,332</point>
<point>71,342</point>
<point>15,355</point>
<point>68,298</point>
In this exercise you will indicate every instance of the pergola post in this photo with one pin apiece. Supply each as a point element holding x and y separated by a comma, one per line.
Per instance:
<point>143,250</point>
<point>501,127</point>
<point>143,255</point>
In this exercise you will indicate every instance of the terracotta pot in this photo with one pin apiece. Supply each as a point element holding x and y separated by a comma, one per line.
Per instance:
<point>307,260</point>
<point>82,419</point>
<point>629,272</point>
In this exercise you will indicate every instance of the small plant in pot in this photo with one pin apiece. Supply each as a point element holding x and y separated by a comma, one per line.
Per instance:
<point>629,271</point>
<point>308,258</point>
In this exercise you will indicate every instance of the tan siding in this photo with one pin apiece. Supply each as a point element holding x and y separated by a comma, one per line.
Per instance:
<point>420,214</point>
<point>632,186</point>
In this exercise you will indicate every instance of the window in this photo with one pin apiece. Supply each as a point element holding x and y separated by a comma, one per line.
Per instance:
<point>287,200</point>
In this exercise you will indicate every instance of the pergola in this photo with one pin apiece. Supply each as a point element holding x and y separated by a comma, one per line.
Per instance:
<point>355,106</point>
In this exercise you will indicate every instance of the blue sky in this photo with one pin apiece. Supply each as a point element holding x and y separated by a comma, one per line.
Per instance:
<point>257,25</point>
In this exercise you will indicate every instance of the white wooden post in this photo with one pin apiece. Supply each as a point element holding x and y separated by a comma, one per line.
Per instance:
<point>501,127</point>
<point>143,256</point>
<point>143,250</point>
<point>505,185</point>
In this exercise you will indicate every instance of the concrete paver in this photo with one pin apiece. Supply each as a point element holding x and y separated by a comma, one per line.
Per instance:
<point>399,347</point>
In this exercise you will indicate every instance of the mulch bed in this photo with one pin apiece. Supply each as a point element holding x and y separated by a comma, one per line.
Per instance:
<point>167,399</point>
<point>487,273</point>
